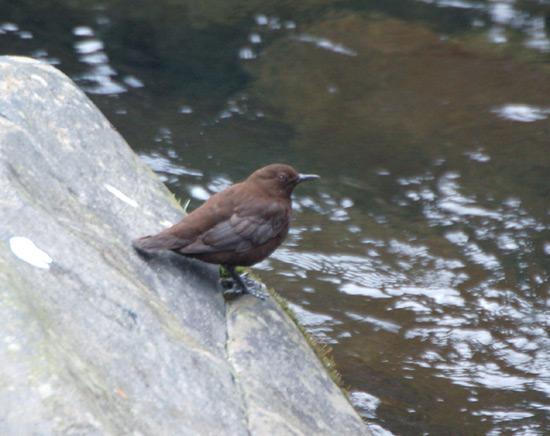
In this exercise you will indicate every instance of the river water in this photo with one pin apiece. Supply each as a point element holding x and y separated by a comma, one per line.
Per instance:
<point>422,255</point>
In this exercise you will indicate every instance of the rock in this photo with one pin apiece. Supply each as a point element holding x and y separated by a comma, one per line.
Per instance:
<point>95,340</point>
<point>288,392</point>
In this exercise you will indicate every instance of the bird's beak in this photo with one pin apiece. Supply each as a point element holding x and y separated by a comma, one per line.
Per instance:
<point>306,177</point>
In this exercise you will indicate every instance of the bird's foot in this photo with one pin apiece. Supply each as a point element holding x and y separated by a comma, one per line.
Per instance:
<point>232,288</point>
<point>256,292</point>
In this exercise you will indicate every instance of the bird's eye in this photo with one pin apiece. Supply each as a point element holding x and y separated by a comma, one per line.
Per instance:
<point>281,176</point>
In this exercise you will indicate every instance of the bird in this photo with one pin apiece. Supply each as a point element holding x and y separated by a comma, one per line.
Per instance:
<point>239,226</point>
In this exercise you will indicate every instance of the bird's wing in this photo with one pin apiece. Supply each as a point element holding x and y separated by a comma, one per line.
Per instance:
<point>245,229</point>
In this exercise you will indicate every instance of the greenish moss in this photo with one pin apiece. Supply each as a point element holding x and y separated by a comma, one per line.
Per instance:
<point>224,274</point>
<point>322,351</point>
<point>183,205</point>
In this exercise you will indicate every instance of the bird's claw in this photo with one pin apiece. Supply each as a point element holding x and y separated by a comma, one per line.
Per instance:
<point>252,290</point>
<point>233,289</point>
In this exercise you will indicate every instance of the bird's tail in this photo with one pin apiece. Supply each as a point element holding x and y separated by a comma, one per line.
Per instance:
<point>142,244</point>
<point>157,243</point>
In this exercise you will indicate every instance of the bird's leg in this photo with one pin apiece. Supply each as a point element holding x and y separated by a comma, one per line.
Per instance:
<point>241,284</point>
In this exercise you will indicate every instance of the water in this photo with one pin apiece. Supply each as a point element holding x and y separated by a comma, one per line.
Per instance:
<point>422,255</point>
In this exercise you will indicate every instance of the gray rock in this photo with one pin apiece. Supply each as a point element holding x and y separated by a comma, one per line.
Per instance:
<point>288,392</point>
<point>95,340</point>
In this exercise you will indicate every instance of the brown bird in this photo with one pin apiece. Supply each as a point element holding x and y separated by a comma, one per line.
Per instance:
<point>239,226</point>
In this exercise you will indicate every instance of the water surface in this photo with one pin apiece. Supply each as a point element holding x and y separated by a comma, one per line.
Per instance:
<point>422,255</point>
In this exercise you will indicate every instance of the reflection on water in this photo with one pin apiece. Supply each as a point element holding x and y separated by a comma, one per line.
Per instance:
<point>503,15</point>
<point>465,317</point>
<point>100,75</point>
<point>521,112</point>
<point>431,284</point>
<point>326,44</point>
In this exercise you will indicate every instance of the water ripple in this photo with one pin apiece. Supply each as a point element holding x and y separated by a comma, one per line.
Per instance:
<point>326,44</point>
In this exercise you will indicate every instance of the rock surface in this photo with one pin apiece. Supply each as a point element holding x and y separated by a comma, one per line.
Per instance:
<point>95,340</point>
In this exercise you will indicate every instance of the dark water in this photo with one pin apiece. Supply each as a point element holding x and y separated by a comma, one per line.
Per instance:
<point>422,256</point>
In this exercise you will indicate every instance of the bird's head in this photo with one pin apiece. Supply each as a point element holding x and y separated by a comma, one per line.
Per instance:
<point>279,179</point>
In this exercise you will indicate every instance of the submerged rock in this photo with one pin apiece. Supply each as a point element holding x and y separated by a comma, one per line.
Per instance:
<point>95,340</point>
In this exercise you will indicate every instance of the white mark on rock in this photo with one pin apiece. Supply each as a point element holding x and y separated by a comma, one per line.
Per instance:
<point>14,347</point>
<point>39,79</point>
<point>45,390</point>
<point>120,195</point>
<point>166,223</point>
<point>25,250</point>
